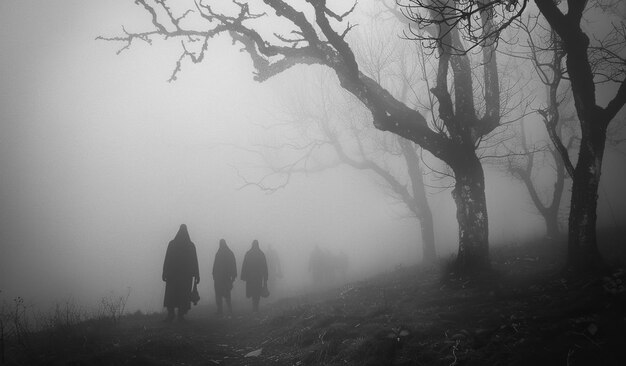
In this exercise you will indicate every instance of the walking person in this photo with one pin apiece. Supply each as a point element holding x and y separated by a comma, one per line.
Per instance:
<point>254,273</point>
<point>224,274</point>
<point>180,273</point>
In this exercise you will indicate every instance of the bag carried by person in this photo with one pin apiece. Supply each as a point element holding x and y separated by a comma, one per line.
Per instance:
<point>194,296</point>
<point>265,292</point>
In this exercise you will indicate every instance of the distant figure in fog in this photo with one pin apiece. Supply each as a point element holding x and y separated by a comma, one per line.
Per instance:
<point>328,268</point>
<point>274,268</point>
<point>180,273</point>
<point>316,265</point>
<point>224,274</point>
<point>254,273</point>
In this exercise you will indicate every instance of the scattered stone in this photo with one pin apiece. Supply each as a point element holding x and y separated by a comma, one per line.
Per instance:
<point>255,353</point>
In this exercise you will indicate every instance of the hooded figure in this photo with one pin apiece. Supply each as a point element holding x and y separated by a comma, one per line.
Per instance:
<point>180,272</point>
<point>224,273</point>
<point>254,273</point>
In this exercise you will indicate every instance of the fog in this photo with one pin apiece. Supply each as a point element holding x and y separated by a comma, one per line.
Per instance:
<point>102,159</point>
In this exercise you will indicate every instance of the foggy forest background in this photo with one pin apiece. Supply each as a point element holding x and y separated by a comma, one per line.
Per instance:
<point>108,146</point>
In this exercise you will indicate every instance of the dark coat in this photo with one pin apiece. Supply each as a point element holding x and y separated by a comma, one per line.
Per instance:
<point>224,269</point>
<point>179,269</point>
<point>254,271</point>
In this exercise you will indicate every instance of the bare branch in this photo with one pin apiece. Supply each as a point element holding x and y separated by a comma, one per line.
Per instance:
<point>342,16</point>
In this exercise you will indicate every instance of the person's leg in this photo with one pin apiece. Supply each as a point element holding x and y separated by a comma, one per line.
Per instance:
<point>181,313</point>
<point>255,303</point>
<point>218,297</point>
<point>218,302</point>
<point>228,302</point>
<point>170,314</point>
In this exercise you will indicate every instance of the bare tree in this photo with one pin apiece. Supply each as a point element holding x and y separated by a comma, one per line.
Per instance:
<point>527,166</point>
<point>587,64</point>
<point>524,168</point>
<point>391,63</point>
<point>317,34</point>
<point>592,56</point>
<point>331,119</point>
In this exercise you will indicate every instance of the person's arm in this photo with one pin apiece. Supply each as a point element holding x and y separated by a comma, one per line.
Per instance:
<point>196,270</point>
<point>214,271</point>
<point>166,264</point>
<point>233,273</point>
<point>244,269</point>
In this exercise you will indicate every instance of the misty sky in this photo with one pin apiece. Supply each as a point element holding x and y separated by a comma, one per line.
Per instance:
<point>101,160</point>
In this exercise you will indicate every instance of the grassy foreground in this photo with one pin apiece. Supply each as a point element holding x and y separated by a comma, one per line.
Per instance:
<point>525,314</point>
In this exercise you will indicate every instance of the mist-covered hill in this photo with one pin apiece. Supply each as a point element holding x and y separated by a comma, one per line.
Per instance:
<point>525,313</point>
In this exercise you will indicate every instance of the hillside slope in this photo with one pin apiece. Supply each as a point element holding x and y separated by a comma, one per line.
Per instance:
<point>524,314</point>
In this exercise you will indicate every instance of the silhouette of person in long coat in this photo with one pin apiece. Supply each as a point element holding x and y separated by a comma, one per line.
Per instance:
<point>224,273</point>
<point>254,273</point>
<point>180,272</point>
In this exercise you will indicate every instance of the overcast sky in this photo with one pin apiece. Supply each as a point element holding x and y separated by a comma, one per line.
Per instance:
<point>101,160</point>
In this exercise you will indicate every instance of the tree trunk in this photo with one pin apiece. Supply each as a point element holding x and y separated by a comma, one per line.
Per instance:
<point>469,195</point>
<point>551,213</point>
<point>419,204</point>
<point>429,254</point>
<point>552,224</point>
<point>583,253</point>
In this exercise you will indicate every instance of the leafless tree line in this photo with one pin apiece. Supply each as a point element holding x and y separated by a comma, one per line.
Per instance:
<point>465,97</point>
